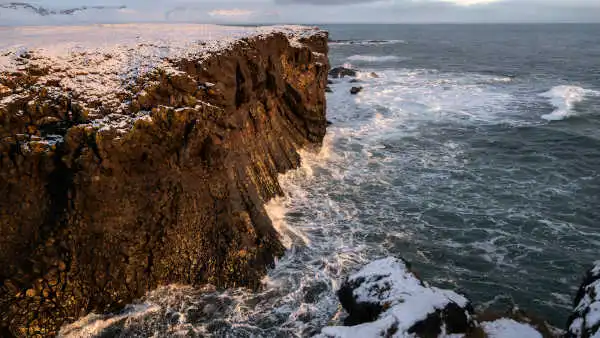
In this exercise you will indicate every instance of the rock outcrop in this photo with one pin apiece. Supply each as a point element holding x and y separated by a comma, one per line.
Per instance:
<point>392,300</point>
<point>355,90</point>
<point>585,320</point>
<point>341,72</point>
<point>145,162</point>
<point>386,299</point>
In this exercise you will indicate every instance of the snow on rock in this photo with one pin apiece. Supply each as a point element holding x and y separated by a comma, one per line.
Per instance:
<point>585,320</point>
<point>508,328</point>
<point>102,60</point>
<point>108,73</point>
<point>392,301</point>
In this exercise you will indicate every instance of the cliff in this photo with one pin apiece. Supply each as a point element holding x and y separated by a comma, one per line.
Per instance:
<point>134,156</point>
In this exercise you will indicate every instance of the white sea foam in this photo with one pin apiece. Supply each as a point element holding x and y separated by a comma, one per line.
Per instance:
<point>366,42</point>
<point>564,98</point>
<point>94,324</point>
<point>376,58</point>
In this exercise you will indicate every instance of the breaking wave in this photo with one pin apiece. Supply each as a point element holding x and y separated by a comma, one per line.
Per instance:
<point>375,58</point>
<point>365,42</point>
<point>564,99</point>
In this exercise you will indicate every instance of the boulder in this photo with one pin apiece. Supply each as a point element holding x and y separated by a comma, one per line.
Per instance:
<point>341,72</point>
<point>356,90</point>
<point>385,298</point>
<point>374,75</point>
<point>584,322</point>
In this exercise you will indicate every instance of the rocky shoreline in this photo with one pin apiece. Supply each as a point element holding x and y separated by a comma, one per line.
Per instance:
<point>386,299</point>
<point>135,156</point>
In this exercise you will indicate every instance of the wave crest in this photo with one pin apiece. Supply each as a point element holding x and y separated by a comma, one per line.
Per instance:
<point>376,58</point>
<point>564,98</point>
<point>365,42</point>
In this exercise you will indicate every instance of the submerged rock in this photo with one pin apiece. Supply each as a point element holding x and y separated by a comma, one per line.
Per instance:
<point>341,72</point>
<point>356,90</point>
<point>585,320</point>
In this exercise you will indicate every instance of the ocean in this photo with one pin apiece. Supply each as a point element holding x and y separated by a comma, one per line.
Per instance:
<point>475,155</point>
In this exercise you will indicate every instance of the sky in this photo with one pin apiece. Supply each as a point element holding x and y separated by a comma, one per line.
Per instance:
<point>341,11</point>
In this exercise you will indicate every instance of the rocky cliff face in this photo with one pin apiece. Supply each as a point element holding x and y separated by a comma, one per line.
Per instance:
<point>146,163</point>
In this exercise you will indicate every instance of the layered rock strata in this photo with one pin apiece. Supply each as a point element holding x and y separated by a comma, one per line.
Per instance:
<point>133,156</point>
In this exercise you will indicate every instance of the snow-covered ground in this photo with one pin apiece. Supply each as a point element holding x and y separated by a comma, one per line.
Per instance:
<point>98,61</point>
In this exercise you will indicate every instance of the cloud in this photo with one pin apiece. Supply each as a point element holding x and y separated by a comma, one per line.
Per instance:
<point>231,12</point>
<point>328,11</point>
<point>324,2</point>
<point>471,2</point>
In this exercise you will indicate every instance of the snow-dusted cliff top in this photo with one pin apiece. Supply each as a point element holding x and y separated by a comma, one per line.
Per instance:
<point>100,60</point>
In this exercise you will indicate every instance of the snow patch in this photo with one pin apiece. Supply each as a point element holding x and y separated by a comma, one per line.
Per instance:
<point>508,328</point>
<point>100,62</point>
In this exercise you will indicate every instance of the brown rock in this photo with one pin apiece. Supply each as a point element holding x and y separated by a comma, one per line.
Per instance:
<point>136,201</point>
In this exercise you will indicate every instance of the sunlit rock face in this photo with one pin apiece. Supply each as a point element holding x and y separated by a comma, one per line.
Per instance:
<point>134,156</point>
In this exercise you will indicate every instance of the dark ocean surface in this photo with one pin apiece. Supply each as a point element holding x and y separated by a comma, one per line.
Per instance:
<point>475,155</point>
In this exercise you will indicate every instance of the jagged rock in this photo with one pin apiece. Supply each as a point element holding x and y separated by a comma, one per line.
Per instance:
<point>385,298</point>
<point>356,90</point>
<point>145,160</point>
<point>340,72</point>
<point>585,320</point>
<point>374,75</point>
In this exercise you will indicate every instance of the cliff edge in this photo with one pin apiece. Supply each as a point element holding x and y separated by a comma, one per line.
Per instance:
<point>134,156</point>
